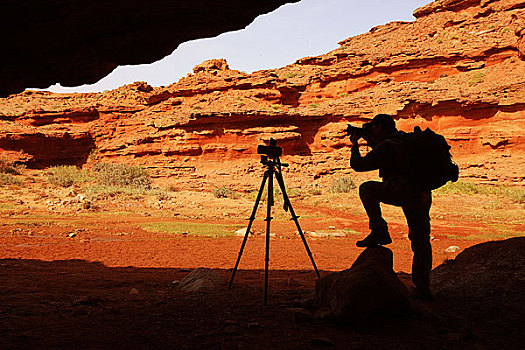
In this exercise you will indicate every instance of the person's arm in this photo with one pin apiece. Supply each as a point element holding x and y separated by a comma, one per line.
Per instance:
<point>373,160</point>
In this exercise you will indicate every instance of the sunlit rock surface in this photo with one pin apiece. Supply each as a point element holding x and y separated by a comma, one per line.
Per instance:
<point>458,68</point>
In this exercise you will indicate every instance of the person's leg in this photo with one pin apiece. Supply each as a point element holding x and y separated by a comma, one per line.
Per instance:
<point>372,193</point>
<point>417,212</point>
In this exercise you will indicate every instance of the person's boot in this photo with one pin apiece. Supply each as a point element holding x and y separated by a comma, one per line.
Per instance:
<point>422,293</point>
<point>375,238</point>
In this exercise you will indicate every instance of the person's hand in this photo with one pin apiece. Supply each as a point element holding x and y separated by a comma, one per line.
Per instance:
<point>354,139</point>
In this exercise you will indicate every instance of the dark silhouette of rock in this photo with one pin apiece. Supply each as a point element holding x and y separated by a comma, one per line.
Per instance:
<point>369,289</point>
<point>483,289</point>
<point>487,274</point>
<point>77,42</point>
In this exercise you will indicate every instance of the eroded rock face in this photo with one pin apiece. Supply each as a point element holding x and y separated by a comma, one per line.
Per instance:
<point>457,69</point>
<point>76,42</point>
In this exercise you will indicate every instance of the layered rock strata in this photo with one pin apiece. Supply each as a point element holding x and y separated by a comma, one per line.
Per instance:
<point>458,68</point>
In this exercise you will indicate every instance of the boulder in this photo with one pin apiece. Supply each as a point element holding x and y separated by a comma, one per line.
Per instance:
<point>211,65</point>
<point>497,266</point>
<point>202,280</point>
<point>482,290</point>
<point>369,289</point>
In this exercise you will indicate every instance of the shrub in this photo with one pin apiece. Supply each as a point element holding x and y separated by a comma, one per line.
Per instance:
<point>9,179</point>
<point>67,175</point>
<point>342,184</point>
<point>223,192</point>
<point>469,188</point>
<point>159,193</point>
<point>517,196</point>
<point>292,192</point>
<point>7,167</point>
<point>459,188</point>
<point>122,175</point>
<point>316,192</point>
<point>277,195</point>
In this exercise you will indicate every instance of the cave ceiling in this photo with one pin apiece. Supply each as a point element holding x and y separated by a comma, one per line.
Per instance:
<point>76,42</point>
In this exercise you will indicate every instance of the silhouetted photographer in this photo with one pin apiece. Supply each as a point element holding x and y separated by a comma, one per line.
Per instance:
<point>411,165</point>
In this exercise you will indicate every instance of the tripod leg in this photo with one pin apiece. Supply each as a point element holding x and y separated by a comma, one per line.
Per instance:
<point>269,204</point>
<point>288,205</point>
<point>252,218</point>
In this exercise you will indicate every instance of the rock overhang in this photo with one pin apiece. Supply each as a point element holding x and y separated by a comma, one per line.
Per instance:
<point>75,42</point>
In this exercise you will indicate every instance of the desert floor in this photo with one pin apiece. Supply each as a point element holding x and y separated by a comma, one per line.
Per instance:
<point>84,273</point>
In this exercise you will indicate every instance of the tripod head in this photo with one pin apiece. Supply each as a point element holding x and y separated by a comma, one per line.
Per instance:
<point>270,154</point>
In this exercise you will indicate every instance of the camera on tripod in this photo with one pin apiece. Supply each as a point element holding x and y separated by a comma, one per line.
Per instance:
<point>365,131</point>
<point>271,150</point>
<point>270,159</point>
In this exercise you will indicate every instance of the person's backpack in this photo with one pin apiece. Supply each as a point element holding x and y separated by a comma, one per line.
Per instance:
<point>426,159</point>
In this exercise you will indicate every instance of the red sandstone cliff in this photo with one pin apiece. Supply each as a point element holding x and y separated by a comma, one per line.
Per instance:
<point>458,68</point>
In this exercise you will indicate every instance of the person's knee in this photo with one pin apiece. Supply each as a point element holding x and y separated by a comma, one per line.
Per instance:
<point>367,189</point>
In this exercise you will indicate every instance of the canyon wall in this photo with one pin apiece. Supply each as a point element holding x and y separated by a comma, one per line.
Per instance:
<point>459,69</point>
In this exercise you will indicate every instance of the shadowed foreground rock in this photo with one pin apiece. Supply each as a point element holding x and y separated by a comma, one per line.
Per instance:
<point>369,289</point>
<point>202,280</point>
<point>480,293</point>
<point>488,279</point>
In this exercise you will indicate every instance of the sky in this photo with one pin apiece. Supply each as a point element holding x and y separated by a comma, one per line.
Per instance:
<point>274,40</point>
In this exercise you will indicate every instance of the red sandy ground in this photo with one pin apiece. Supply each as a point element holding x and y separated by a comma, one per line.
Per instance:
<point>73,293</point>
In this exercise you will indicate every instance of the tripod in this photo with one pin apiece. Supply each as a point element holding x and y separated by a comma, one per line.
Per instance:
<point>273,168</point>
